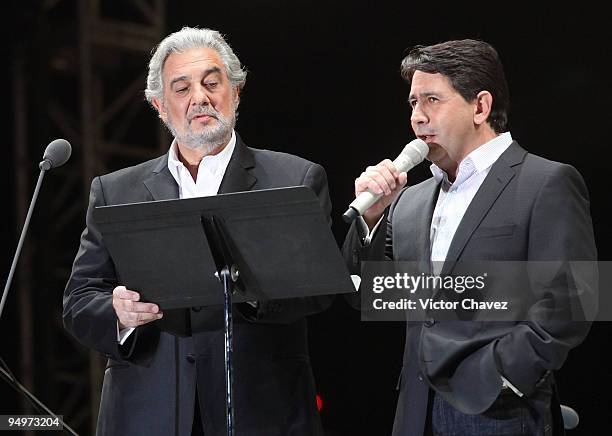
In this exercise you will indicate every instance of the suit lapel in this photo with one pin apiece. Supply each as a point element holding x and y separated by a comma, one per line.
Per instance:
<point>500,175</point>
<point>160,183</point>
<point>237,176</point>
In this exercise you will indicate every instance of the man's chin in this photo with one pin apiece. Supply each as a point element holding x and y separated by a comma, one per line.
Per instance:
<point>209,143</point>
<point>435,152</point>
<point>199,145</point>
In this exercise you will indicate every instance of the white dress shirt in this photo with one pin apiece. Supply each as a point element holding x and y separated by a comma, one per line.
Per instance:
<point>454,198</point>
<point>210,174</point>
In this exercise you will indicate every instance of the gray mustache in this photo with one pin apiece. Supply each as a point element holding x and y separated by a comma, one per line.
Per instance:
<point>203,111</point>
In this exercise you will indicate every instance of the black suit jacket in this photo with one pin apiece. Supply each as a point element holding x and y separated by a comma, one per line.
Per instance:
<point>149,383</point>
<point>527,209</point>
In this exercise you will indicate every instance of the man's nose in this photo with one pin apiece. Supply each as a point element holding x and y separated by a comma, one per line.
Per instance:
<point>418,116</point>
<point>200,96</point>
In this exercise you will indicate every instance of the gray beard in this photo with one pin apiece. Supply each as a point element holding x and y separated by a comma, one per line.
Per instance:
<point>210,139</point>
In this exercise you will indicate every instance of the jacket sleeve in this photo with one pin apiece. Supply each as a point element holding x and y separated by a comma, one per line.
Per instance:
<point>379,248</point>
<point>88,312</point>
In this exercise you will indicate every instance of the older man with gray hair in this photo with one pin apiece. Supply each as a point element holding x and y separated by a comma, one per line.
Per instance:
<point>165,372</point>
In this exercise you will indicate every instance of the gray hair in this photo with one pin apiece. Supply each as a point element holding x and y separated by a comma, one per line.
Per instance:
<point>185,39</point>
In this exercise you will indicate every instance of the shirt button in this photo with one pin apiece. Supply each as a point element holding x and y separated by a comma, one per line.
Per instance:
<point>420,376</point>
<point>191,358</point>
<point>429,323</point>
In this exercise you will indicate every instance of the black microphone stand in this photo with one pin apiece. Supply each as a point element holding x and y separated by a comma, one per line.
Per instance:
<point>21,239</point>
<point>6,373</point>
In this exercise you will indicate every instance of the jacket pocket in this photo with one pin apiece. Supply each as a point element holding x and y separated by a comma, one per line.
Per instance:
<point>495,231</point>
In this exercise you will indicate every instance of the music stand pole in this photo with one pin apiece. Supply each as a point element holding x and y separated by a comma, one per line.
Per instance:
<point>226,276</point>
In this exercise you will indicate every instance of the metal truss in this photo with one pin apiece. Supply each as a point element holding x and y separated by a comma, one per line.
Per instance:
<point>80,77</point>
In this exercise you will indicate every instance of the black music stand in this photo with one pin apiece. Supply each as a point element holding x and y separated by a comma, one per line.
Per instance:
<point>262,245</point>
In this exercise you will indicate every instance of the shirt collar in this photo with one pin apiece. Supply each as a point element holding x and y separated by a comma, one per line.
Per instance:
<point>213,163</point>
<point>479,160</point>
<point>486,155</point>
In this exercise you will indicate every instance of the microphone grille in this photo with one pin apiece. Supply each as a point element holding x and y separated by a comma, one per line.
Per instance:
<point>57,152</point>
<point>412,154</point>
<point>417,148</point>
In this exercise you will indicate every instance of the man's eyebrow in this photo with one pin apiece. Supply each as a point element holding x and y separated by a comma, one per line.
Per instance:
<point>422,94</point>
<point>207,72</point>
<point>178,79</point>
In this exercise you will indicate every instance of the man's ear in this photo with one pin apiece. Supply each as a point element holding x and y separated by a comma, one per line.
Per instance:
<point>237,96</point>
<point>161,110</point>
<point>482,108</point>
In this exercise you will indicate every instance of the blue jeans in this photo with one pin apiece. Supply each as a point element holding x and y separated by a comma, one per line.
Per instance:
<point>509,415</point>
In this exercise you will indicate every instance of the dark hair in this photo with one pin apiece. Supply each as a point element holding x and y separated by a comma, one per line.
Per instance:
<point>471,66</point>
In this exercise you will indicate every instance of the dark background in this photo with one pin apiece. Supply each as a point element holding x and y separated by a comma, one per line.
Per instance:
<point>324,83</point>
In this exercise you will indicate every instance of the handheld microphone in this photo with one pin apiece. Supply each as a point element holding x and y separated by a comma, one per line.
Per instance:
<point>412,155</point>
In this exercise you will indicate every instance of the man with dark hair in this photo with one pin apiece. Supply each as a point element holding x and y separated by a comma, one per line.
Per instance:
<point>488,199</point>
<point>165,373</point>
